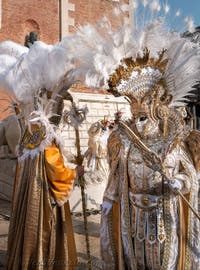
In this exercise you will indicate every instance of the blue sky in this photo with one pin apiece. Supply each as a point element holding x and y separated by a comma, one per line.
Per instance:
<point>188,8</point>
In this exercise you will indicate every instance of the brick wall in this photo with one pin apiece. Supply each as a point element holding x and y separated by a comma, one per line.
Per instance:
<point>93,10</point>
<point>18,18</point>
<point>23,16</point>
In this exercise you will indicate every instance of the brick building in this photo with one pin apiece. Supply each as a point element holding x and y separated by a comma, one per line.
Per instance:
<point>52,19</point>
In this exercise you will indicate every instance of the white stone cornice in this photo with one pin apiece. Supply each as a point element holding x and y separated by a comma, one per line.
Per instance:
<point>98,98</point>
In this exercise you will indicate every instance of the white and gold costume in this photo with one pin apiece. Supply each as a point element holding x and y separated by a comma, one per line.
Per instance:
<point>145,224</point>
<point>152,217</point>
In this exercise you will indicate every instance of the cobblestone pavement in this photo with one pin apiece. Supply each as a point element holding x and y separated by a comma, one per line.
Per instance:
<point>93,228</point>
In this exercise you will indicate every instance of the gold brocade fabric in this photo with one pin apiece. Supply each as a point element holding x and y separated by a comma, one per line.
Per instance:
<point>128,237</point>
<point>60,178</point>
<point>40,234</point>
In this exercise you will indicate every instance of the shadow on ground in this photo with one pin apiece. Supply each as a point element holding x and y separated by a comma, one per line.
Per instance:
<point>93,227</point>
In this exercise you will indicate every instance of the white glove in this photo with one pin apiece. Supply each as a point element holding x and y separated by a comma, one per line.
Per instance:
<point>106,207</point>
<point>175,184</point>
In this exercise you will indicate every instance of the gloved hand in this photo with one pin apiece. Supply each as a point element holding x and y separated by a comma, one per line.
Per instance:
<point>106,207</point>
<point>175,184</point>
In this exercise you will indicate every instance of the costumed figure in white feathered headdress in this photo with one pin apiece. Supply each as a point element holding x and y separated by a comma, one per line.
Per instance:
<point>41,234</point>
<point>147,222</point>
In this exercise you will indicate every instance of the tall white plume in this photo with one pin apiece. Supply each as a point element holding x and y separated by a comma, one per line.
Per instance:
<point>99,51</point>
<point>24,72</point>
<point>43,66</point>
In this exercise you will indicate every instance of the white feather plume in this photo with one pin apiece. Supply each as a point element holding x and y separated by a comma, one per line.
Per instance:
<point>10,52</point>
<point>42,67</point>
<point>12,49</point>
<point>99,51</point>
<point>40,117</point>
<point>6,62</point>
<point>24,72</point>
<point>166,8</point>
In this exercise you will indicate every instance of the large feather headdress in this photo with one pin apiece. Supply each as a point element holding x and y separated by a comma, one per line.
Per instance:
<point>132,59</point>
<point>35,79</point>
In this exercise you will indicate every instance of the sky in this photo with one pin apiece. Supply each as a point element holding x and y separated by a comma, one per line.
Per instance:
<point>188,7</point>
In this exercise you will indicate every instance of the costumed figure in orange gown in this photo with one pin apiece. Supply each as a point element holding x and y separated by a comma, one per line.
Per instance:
<point>40,234</point>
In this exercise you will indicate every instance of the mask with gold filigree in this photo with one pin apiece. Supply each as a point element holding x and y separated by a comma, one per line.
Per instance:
<point>141,80</point>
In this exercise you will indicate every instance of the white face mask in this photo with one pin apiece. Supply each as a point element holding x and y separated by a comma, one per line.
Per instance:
<point>140,123</point>
<point>147,127</point>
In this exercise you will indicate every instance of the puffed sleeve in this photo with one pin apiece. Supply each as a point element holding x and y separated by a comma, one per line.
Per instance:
<point>60,177</point>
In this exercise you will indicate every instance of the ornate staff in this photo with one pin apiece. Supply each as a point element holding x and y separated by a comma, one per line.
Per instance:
<point>75,117</point>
